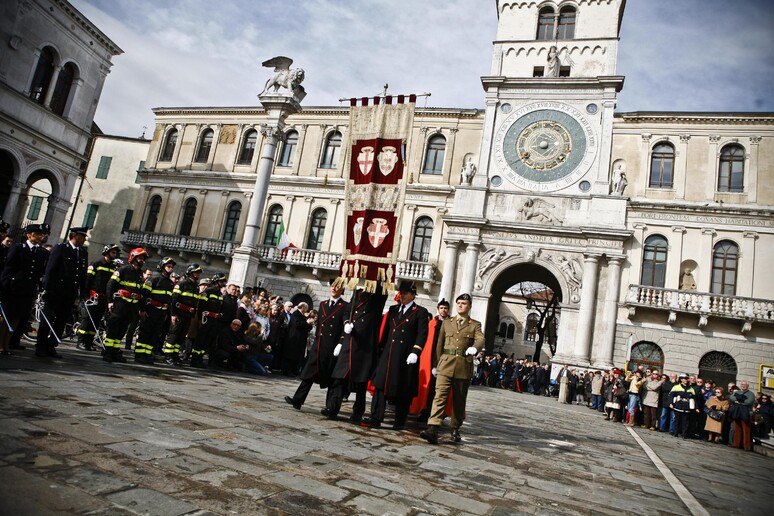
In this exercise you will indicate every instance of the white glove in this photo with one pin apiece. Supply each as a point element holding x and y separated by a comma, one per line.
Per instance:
<point>348,327</point>
<point>337,350</point>
<point>434,372</point>
<point>412,359</point>
<point>471,351</point>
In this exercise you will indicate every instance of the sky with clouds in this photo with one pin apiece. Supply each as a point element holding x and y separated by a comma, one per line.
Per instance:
<point>677,55</point>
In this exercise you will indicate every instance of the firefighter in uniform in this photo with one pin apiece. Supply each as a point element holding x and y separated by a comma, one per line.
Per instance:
<point>97,277</point>
<point>124,292</point>
<point>210,314</point>
<point>154,310</point>
<point>185,300</point>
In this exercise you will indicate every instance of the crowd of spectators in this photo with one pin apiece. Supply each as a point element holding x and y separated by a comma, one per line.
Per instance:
<point>683,405</point>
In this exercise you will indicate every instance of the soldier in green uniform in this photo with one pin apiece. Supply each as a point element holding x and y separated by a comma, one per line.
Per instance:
<point>459,340</point>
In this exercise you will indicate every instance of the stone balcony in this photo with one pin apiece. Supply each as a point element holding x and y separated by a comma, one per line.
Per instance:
<point>318,262</point>
<point>705,305</point>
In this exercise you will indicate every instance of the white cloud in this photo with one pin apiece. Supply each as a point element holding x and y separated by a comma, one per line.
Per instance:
<point>686,55</point>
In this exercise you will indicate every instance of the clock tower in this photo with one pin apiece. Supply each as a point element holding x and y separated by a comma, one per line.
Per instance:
<point>542,208</point>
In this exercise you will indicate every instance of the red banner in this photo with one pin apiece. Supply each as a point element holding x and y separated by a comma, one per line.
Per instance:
<point>375,191</point>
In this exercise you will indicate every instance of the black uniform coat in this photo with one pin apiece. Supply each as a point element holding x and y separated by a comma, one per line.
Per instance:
<point>298,333</point>
<point>359,349</point>
<point>20,279</point>
<point>330,328</point>
<point>65,279</point>
<point>401,337</point>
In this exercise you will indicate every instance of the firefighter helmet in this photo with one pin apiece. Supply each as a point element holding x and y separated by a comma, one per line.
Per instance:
<point>136,253</point>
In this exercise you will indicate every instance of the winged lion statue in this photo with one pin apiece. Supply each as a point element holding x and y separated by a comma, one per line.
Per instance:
<point>284,77</point>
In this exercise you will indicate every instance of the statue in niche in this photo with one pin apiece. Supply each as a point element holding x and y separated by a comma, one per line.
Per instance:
<point>468,171</point>
<point>285,77</point>
<point>687,281</point>
<point>534,208</point>
<point>552,68</point>
<point>619,179</point>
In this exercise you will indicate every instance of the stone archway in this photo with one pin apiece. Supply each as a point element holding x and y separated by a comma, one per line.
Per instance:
<point>719,367</point>
<point>504,278</point>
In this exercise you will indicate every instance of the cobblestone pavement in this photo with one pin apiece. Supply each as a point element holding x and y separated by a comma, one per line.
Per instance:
<point>80,436</point>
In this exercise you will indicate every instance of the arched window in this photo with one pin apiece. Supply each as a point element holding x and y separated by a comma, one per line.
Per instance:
<point>64,84</point>
<point>232,220</point>
<point>205,144</point>
<point>646,354</point>
<point>545,30</point>
<point>654,262</point>
<point>503,331</point>
<point>423,235</point>
<point>153,213</point>
<point>662,166</point>
<point>731,173</point>
<point>332,150</point>
<point>41,80</point>
<point>273,225</point>
<point>248,147</point>
<point>725,256</point>
<point>566,26</point>
<point>719,367</point>
<point>189,213</point>
<point>317,229</point>
<point>168,149</point>
<point>531,331</point>
<point>511,331</point>
<point>436,149</point>
<point>288,149</point>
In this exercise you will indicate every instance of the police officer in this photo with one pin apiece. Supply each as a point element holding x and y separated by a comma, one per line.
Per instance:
<point>210,313</point>
<point>185,300</point>
<point>124,292</point>
<point>97,277</point>
<point>154,310</point>
<point>19,284</point>
<point>64,285</point>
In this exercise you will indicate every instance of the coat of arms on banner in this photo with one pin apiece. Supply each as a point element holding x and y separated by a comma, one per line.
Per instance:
<point>377,231</point>
<point>387,159</point>
<point>365,160</point>
<point>357,230</point>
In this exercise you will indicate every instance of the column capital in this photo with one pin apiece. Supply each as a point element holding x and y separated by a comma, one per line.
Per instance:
<point>755,140</point>
<point>751,234</point>
<point>615,261</point>
<point>455,244</point>
<point>272,132</point>
<point>591,257</point>
<point>678,229</point>
<point>708,231</point>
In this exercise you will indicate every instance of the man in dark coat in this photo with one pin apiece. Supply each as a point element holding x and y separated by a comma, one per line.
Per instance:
<point>356,353</point>
<point>19,284</point>
<point>65,286</point>
<point>320,361</point>
<point>4,226</point>
<point>396,377</point>
<point>294,346</point>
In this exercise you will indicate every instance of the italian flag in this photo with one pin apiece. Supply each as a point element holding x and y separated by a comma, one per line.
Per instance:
<point>283,241</point>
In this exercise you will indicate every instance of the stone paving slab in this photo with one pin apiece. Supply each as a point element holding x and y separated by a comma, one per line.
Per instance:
<point>130,439</point>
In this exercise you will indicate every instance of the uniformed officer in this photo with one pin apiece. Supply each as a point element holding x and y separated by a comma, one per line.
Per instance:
<point>185,300</point>
<point>210,313</point>
<point>19,284</point>
<point>320,360</point>
<point>65,285</point>
<point>154,311</point>
<point>396,377</point>
<point>97,277</point>
<point>124,292</point>
<point>459,340</point>
<point>4,226</point>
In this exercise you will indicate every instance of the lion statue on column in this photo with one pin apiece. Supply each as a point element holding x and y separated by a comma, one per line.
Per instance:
<point>284,77</point>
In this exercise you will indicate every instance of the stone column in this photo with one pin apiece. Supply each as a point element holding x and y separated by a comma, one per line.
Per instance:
<point>471,263</point>
<point>603,356</point>
<point>52,86</point>
<point>245,261</point>
<point>11,207</point>
<point>56,215</point>
<point>449,268</point>
<point>585,329</point>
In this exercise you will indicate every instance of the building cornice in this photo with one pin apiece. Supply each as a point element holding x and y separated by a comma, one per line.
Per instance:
<point>89,27</point>
<point>698,117</point>
<point>311,110</point>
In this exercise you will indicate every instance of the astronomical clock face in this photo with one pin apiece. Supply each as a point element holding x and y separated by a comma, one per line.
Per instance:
<point>545,146</point>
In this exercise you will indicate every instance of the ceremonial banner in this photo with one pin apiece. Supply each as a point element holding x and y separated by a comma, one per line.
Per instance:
<point>375,189</point>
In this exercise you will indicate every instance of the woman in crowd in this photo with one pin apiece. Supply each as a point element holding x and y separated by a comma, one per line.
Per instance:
<point>714,426</point>
<point>763,408</point>
<point>259,355</point>
<point>651,400</point>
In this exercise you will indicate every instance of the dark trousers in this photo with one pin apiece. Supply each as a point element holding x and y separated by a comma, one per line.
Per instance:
<point>205,338</point>
<point>131,328</point>
<point>120,318</point>
<point>89,313</point>
<point>303,391</point>
<point>58,313</point>
<point>651,416</point>
<point>337,392</point>
<point>379,405</point>
<point>18,318</point>
<point>742,434</point>
<point>151,331</point>
<point>175,340</point>
<point>682,422</point>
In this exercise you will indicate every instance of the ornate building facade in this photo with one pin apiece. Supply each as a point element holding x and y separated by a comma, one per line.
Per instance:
<point>53,64</point>
<point>652,229</point>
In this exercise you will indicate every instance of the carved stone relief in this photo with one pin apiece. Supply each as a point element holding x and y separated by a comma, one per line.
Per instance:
<point>539,210</point>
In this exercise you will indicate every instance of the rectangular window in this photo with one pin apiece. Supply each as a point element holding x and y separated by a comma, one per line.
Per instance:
<point>127,221</point>
<point>91,215</point>
<point>139,167</point>
<point>538,71</point>
<point>104,167</point>
<point>36,202</point>
<point>564,71</point>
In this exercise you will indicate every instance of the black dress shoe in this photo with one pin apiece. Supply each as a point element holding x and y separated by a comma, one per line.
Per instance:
<point>54,354</point>
<point>291,401</point>
<point>430,434</point>
<point>456,437</point>
<point>355,419</point>
<point>328,414</point>
<point>370,423</point>
<point>6,353</point>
